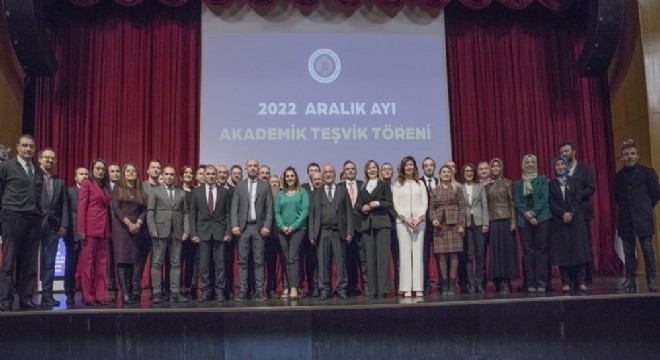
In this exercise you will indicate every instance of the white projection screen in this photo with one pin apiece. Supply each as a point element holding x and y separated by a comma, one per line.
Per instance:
<point>289,89</point>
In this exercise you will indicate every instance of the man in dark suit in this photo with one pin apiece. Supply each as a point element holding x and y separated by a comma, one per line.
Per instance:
<point>271,244</point>
<point>636,192</point>
<point>114,172</point>
<point>356,258</point>
<point>209,226</point>
<point>168,229</point>
<point>55,223</point>
<point>230,246</point>
<point>428,167</point>
<point>21,184</point>
<point>72,241</point>
<point>251,220</point>
<point>330,229</point>
<point>309,256</point>
<point>584,174</point>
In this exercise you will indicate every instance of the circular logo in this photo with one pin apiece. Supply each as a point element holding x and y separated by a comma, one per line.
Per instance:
<point>324,66</point>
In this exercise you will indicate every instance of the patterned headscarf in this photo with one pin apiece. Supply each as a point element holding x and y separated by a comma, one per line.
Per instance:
<point>564,177</point>
<point>501,175</point>
<point>529,176</point>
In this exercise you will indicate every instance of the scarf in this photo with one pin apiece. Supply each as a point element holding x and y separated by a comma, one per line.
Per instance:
<point>529,176</point>
<point>564,177</point>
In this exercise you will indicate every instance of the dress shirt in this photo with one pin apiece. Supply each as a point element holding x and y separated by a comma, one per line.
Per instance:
<point>252,190</point>
<point>27,166</point>
<point>332,190</point>
<point>371,185</point>
<point>426,182</point>
<point>214,190</point>
<point>468,189</point>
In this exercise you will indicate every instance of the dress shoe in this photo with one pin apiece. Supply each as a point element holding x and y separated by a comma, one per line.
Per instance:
<point>127,299</point>
<point>49,301</point>
<point>241,297</point>
<point>583,288</point>
<point>542,290</point>
<point>27,304</point>
<point>178,298</point>
<point>156,299</point>
<point>628,285</point>
<point>566,289</point>
<point>70,300</point>
<point>260,296</point>
<point>343,295</point>
<point>479,289</point>
<point>315,293</point>
<point>220,298</point>
<point>428,290</point>
<point>5,306</point>
<point>531,290</point>
<point>653,287</point>
<point>272,295</point>
<point>452,288</point>
<point>166,296</point>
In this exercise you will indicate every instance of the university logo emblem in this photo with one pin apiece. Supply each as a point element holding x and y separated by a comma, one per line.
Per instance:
<point>324,66</point>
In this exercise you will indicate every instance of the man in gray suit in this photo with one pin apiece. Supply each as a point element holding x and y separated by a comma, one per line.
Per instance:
<point>209,226</point>
<point>330,229</point>
<point>251,219</point>
<point>72,241</point>
<point>55,223</point>
<point>168,227</point>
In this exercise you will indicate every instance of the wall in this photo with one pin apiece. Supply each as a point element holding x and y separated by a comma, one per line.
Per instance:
<point>11,90</point>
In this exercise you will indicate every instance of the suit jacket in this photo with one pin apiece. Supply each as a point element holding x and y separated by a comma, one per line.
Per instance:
<point>55,209</point>
<point>73,195</point>
<point>540,195</point>
<point>18,192</point>
<point>358,185</point>
<point>94,210</point>
<point>263,205</point>
<point>478,207</point>
<point>636,193</point>
<point>204,224</point>
<point>168,217</point>
<point>379,217</point>
<point>344,213</point>
<point>307,186</point>
<point>584,174</point>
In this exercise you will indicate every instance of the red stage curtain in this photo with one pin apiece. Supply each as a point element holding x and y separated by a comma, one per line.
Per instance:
<point>127,89</point>
<point>514,89</point>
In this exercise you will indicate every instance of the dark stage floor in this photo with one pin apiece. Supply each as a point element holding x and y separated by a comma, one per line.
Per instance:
<point>603,288</point>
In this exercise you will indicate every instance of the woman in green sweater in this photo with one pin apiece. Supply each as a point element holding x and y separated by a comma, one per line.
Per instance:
<point>291,211</point>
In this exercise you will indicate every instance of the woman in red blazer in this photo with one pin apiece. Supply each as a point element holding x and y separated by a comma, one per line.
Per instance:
<point>94,230</point>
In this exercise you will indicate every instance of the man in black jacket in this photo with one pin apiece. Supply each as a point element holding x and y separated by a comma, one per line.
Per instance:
<point>20,215</point>
<point>636,191</point>
<point>55,223</point>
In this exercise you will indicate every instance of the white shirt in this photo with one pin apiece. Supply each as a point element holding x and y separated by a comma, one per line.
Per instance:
<point>332,190</point>
<point>426,182</point>
<point>468,190</point>
<point>253,198</point>
<point>410,199</point>
<point>25,165</point>
<point>371,185</point>
<point>572,169</point>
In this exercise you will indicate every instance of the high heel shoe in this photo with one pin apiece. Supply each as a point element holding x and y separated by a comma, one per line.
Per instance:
<point>408,294</point>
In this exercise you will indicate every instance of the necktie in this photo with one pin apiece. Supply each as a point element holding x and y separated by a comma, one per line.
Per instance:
<point>30,171</point>
<point>351,193</point>
<point>430,185</point>
<point>210,200</point>
<point>170,193</point>
<point>49,187</point>
<point>330,193</point>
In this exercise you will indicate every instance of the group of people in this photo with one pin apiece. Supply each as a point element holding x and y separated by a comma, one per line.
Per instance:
<point>196,221</point>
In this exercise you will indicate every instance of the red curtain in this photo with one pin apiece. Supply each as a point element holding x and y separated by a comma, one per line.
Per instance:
<point>514,89</point>
<point>127,89</point>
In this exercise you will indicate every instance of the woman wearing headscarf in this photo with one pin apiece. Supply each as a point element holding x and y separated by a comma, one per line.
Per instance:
<point>502,242</point>
<point>447,214</point>
<point>94,231</point>
<point>531,199</point>
<point>568,231</point>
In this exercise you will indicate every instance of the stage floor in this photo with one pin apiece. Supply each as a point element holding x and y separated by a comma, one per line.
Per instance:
<point>603,288</point>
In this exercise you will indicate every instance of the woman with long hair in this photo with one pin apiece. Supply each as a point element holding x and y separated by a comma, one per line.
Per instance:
<point>502,242</point>
<point>189,260</point>
<point>291,213</point>
<point>531,198</point>
<point>94,231</point>
<point>129,206</point>
<point>476,217</point>
<point>410,203</point>
<point>372,208</point>
<point>447,214</point>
